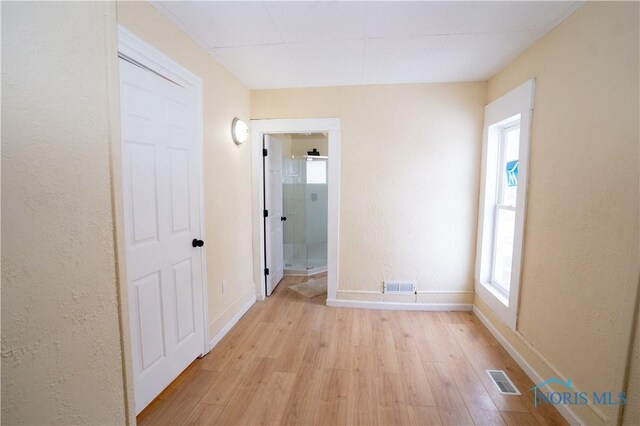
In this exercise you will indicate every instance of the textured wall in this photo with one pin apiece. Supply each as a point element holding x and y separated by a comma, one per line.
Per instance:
<point>300,144</point>
<point>410,157</point>
<point>631,415</point>
<point>61,353</point>
<point>582,218</point>
<point>227,166</point>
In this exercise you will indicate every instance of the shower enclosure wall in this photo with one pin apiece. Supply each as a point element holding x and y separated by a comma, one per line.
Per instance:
<point>305,207</point>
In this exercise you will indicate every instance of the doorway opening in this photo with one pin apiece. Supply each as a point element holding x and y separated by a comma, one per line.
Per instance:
<point>296,178</point>
<point>295,196</point>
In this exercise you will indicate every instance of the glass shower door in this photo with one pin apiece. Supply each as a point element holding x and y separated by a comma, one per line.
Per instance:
<point>305,207</point>
<point>316,213</point>
<point>294,197</point>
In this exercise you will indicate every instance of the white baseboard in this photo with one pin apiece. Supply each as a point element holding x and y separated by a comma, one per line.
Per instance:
<point>400,306</point>
<point>565,410</point>
<point>228,326</point>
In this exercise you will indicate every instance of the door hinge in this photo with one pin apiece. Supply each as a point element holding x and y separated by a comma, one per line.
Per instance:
<point>266,213</point>
<point>264,152</point>
<point>266,271</point>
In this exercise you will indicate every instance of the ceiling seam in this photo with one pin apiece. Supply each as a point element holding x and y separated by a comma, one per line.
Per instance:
<point>435,67</point>
<point>171,17</point>
<point>273,21</point>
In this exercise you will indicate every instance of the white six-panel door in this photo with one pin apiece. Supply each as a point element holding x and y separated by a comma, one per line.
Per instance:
<point>161,188</point>
<point>274,243</point>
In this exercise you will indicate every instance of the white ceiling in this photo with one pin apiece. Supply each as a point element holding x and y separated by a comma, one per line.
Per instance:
<point>309,44</point>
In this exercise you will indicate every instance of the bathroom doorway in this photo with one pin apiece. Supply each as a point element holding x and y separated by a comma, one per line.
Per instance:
<point>296,199</point>
<point>296,174</point>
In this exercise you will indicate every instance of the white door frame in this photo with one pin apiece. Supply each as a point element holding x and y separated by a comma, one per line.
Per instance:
<point>331,126</point>
<point>135,48</point>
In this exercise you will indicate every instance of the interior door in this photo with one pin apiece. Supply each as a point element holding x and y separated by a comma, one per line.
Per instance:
<point>273,232</point>
<point>161,188</point>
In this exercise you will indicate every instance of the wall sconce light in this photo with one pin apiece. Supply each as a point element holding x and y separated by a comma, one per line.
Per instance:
<point>239,131</point>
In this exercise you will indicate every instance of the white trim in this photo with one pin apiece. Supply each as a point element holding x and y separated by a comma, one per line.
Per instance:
<point>565,410</point>
<point>117,201</point>
<point>137,49</point>
<point>417,291</point>
<point>134,47</point>
<point>400,306</point>
<point>309,273</point>
<point>519,101</point>
<point>382,293</point>
<point>228,326</point>
<point>331,126</point>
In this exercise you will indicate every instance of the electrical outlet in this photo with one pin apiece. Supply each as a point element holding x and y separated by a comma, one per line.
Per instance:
<point>224,286</point>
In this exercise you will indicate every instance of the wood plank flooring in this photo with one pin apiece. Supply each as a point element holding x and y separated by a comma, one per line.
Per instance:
<point>291,360</point>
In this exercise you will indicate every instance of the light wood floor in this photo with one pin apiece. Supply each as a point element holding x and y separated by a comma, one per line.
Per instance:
<point>291,360</point>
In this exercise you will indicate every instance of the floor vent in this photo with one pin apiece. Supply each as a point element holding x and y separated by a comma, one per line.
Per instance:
<point>503,382</point>
<point>400,287</point>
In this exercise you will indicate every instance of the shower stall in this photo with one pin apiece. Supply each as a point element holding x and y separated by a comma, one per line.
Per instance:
<point>304,181</point>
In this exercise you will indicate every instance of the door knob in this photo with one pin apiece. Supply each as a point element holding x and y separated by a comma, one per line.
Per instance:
<point>283,218</point>
<point>197,243</point>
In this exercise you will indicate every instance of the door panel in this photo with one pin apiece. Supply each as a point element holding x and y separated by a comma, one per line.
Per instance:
<point>180,206</point>
<point>149,318</point>
<point>185,309</point>
<point>161,189</point>
<point>273,204</point>
<point>143,192</point>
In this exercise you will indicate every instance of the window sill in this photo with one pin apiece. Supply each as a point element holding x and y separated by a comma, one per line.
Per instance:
<point>491,288</point>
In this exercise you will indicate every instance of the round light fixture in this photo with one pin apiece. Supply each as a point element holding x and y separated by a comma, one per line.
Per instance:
<point>239,131</point>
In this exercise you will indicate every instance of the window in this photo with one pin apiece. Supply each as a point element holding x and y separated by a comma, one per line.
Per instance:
<point>503,200</point>
<point>505,205</point>
<point>316,171</point>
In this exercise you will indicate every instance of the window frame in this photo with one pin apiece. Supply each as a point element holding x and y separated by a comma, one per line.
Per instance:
<point>501,114</point>
<point>499,198</point>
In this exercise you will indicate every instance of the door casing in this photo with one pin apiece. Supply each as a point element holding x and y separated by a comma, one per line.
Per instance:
<point>330,126</point>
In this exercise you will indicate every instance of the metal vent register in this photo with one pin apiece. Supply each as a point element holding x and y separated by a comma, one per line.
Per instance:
<point>503,382</point>
<point>399,287</point>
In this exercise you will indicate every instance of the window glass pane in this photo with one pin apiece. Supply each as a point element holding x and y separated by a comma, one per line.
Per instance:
<point>503,250</point>
<point>317,171</point>
<point>510,168</point>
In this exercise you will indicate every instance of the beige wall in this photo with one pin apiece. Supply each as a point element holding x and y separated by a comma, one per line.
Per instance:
<point>631,414</point>
<point>61,343</point>
<point>580,252</point>
<point>227,166</point>
<point>61,351</point>
<point>409,181</point>
<point>410,167</point>
<point>300,144</point>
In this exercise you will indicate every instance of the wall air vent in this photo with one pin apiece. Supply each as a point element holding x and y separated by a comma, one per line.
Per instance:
<point>399,287</point>
<point>503,382</point>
